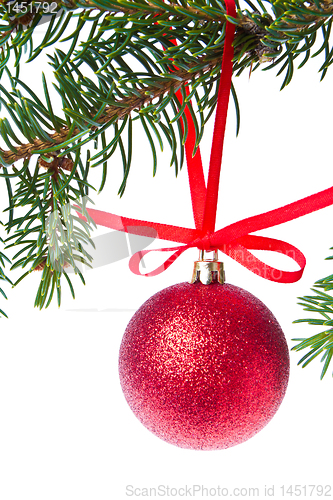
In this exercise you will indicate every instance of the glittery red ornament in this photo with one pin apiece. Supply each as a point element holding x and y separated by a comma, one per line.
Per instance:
<point>204,366</point>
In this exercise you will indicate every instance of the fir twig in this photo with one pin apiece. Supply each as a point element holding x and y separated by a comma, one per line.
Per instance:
<point>51,236</point>
<point>320,304</point>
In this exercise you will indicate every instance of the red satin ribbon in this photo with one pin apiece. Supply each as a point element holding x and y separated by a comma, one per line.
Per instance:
<point>234,240</point>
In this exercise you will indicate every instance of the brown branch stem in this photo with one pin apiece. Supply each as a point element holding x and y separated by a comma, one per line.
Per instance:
<point>147,95</point>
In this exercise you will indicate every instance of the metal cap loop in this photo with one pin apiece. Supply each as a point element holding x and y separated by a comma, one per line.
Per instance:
<point>208,271</point>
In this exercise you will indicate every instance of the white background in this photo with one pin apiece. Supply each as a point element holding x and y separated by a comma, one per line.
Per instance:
<point>66,431</point>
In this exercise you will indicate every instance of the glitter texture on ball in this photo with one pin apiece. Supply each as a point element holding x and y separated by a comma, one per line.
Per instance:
<point>204,366</point>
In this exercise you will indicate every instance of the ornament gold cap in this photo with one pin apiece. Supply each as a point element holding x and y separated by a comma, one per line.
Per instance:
<point>208,271</point>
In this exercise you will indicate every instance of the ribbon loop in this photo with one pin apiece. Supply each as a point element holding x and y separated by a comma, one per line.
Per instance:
<point>134,263</point>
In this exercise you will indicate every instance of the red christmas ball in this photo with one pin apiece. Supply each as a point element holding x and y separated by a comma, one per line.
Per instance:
<point>204,366</point>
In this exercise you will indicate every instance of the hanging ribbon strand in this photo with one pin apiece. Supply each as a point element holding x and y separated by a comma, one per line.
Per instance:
<point>234,240</point>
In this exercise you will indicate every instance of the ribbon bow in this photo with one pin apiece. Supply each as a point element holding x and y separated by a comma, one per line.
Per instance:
<point>234,240</point>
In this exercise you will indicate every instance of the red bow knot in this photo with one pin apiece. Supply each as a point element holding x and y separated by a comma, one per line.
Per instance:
<point>205,242</point>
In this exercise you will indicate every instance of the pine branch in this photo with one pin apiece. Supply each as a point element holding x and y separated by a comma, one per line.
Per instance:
<point>3,276</point>
<point>66,136</point>
<point>293,22</point>
<point>123,108</point>
<point>51,236</point>
<point>320,304</point>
